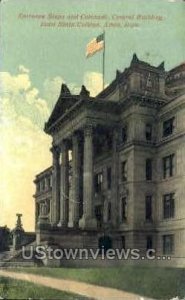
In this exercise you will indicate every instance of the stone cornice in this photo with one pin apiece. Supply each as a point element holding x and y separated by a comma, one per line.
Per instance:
<point>135,66</point>
<point>43,174</point>
<point>108,106</point>
<point>49,129</point>
<point>170,139</point>
<point>142,100</point>
<point>43,195</point>
<point>171,105</point>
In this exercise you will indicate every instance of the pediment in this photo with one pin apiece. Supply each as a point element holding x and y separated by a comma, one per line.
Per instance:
<point>63,104</point>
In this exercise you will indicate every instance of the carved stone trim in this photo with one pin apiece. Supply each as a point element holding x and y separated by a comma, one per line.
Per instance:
<point>88,130</point>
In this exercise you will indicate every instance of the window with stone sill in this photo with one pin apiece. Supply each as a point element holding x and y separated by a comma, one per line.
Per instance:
<point>168,127</point>
<point>148,132</point>
<point>148,168</point>
<point>124,134</point>
<point>123,209</point>
<point>109,214</point>
<point>123,243</point>
<point>98,180</point>
<point>149,242</point>
<point>148,208</point>
<point>109,178</point>
<point>43,184</point>
<point>168,166</point>
<point>168,244</point>
<point>49,182</point>
<point>168,206</point>
<point>124,171</point>
<point>38,187</point>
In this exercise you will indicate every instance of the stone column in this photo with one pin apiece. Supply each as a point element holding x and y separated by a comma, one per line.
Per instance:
<point>55,186</point>
<point>75,201</point>
<point>115,173</point>
<point>88,220</point>
<point>64,185</point>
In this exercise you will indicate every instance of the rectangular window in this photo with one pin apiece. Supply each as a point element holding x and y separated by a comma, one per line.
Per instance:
<point>148,169</point>
<point>168,206</point>
<point>123,242</point>
<point>38,187</point>
<point>109,212</point>
<point>98,182</point>
<point>124,170</point>
<point>98,214</point>
<point>168,166</point>
<point>123,209</point>
<point>43,184</point>
<point>148,208</point>
<point>124,134</point>
<point>149,242</point>
<point>148,132</point>
<point>168,244</point>
<point>109,178</point>
<point>49,182</point>
<point>168,127</point>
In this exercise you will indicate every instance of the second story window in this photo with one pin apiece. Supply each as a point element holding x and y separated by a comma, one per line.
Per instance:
<point>49,182</point>
<point>148,208</point>
<point>123,209</point>
<point>168,206</point>
<point>168,127</point>
<point>168,166</point>
<point>38,187</point>
<point>98,180</point>
<point>124,134</point>
<point>148,132</point>
<point>43,184</point>
<point>109,212</point>
<point>148,169</point>
<point>124,171</point>
<point>109,178</point>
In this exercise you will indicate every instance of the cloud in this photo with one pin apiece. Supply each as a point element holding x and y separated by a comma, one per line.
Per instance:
<point>93,82</point>
<point>24,148</point>
<point>22,69</point>
<point>24,97</point>
<point>14,84</point>
<point>52,87</point>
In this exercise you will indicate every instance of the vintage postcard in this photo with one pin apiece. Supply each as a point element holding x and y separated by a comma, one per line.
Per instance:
<point>92,149</point>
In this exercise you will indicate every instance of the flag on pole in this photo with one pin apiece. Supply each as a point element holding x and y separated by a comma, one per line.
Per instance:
<point>95,45</point>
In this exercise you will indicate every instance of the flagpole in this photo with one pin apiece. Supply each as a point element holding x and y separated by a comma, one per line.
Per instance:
<point>104,60</point>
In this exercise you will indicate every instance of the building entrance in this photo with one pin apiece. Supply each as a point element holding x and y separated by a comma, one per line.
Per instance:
<point>99,215</point>
<point>105,242</point>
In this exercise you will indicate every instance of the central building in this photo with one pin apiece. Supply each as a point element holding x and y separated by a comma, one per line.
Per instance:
<point>116,173</point>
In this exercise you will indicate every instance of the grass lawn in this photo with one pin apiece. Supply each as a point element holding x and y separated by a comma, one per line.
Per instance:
<point>15,289</point>
<point>158,283</point>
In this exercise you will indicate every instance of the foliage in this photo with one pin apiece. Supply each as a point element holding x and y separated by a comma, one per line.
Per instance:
<point>5,238</point>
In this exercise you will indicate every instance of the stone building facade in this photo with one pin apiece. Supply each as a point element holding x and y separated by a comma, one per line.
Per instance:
<point>118,165</point>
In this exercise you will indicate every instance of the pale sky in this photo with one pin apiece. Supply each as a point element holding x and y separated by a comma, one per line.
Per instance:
<point>36,60</point>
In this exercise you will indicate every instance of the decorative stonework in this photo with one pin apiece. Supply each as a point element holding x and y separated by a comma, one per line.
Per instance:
<point>135,98</point>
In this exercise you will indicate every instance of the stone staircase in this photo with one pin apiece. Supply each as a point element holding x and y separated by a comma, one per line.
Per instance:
<point>14,258</point>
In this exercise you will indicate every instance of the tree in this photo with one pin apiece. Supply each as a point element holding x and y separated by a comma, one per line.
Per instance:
<point>5,238</point>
